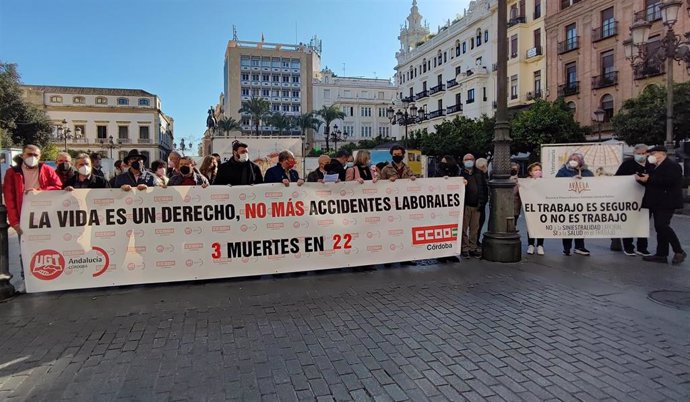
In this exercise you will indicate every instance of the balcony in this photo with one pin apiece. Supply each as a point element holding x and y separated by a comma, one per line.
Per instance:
<point>607,30</point>
<point>605,80</point>
<point>421,95</point>
<point>124,140</point>
<point>452,83</point>
<point>513,96</point>
<point>437,113</point>
<point>408,99</point>
<point>438,88</point>
<point>648,70</point>
<point>534,95</point>
<point>454,109</point>
<point>534,52</point>
<point>650,14</point>
<point>569,45</point>
<point>569,89</point>
<point>520,19</point>
<point>143,141</point>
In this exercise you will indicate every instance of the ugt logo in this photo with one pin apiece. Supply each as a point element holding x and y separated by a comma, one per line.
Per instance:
<point>578,186</point>
<point>47,264</point>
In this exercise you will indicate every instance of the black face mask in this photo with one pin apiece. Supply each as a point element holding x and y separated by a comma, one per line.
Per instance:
<point>398,158</point>
<point>136,165</point>
<point>513,172</point>
<point>185,170</point>
<point>64,166</point>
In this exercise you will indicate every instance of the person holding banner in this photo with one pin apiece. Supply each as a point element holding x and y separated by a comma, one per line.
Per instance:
<point>475,195</point>
<point>575,167</point>
<point>158,169</point>
<point>534,172</point>
<point>137,175</point>
<point>238,170</point>
<point>397,169</point>
<point>283,171</point>
<point>188,176</point>
<point>339,164</point>
<point>637,165</point>
<point>361,171</point>
<point>663,195</point>
<point>86,176</point>
<point>318,174</point>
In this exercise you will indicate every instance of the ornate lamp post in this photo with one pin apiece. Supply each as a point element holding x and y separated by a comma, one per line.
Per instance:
<point>502,242</point>
<point>64,133</point>
<point>110,144</point>
<point>673,48</point>
<point>337,135</point>
<point>407,115</point>
<point>599,118</point>
<point>183,147</point>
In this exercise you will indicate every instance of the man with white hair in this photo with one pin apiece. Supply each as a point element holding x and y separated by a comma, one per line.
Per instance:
<point>637,165</point>
<point>63,167</point>
<point>318,174</point>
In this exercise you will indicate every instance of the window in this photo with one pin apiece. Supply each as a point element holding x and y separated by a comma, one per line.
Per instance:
<point>439,79</point>
<point>486,36</point>
<point>470,96</point>
<point>484,94</point>
<point>295,94</point>
<point>513,12</point>
<point>537,38</point>
<point>255,92</point>
<point>101,132</point>
<point>568,3</point>
<point>440,59</point>
<point>607,105</point>
<point>570,37</point>
<point>439,104</point>
<point>513,46</point>
<point>245,91</point>
<point>653,8</point>
<point>457,48</point>
<point>56,99</point>
<point>285,63</point>
<point>423,85</point>
<point>286,78</point>
<point>123,132</point>
<point>608,24</point>
<point>570,74</point>
<point>295,108</point>
<point>295,79</point>
<point>464,47</point>
<point>144,132</point>
<point>423,66</point>
<point>275,107</point>
<point>80,130</point>
<point>276,78</point>
<point>265,62</point>
<point>458,70</point>
<point>458,99</point>
<point>265,77</point>
<point>101,100</point>
<point>144,102</point>
<point>265,93</point>
<point>123,101</point>
<point>537,9</point>
<point>245,61</point>
<point>285,93</point>
<point>256,61</point>
<point>245,76</point>
<point>537,83</point>
<point>471,43</point>
<point>607,62</point>
<point>445,57</point>
<point>478,37</point>
<point>79,100</point>
<point>514,87</point>
<point>255,77</point>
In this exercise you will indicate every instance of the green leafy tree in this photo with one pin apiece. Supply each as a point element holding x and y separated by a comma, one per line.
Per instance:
<point>306,122</point>
<point>329,114</point>
<point>281,122</point>
<point>258,109</point>
<point>227,124</point>
<point>643,119</point>
<point>21,123</point>
<point>544,123</point>
<point>458,137</point>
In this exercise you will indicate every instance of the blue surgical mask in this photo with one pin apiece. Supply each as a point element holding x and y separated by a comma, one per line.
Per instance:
<point>468,164</point>
<point>640,158</point>
<point>349,165</point>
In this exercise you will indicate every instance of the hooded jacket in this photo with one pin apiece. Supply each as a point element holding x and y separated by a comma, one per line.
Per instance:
<point>13,188</point>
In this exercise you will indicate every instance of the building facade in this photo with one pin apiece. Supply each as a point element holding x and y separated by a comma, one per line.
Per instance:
<point>363,101</point>
<point>106,120</point>
<point>587,65</point>
<point>452,72</point>
<point>279,73</point>
<point>526,58</point>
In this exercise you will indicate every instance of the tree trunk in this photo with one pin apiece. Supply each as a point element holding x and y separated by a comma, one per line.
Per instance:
<point>327,134</point>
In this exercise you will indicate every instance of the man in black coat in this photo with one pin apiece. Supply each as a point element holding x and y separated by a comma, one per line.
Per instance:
<point>238,170</point>
<point>338,164</point>
<point>663,195</point>
<point>636,165</point>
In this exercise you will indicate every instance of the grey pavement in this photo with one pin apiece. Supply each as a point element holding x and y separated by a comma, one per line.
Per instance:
<point>547,328</point>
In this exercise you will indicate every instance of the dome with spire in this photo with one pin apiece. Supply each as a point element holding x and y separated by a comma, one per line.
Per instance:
<point>413,31</point>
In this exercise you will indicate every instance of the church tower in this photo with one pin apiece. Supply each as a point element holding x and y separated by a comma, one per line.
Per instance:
<point>413,31</point>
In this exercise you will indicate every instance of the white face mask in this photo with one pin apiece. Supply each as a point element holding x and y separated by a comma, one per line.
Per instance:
<point>31,161</point>
<point>573,164</point>
<point>244,157</point>
<point>85,170</point>
<point>652,159</point>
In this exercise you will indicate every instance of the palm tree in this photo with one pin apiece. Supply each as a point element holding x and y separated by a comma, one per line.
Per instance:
<point>281,122</point>
<point>307,121</point>
<point>257,108</point>
<point>227,124</point>
<point>328,114</point>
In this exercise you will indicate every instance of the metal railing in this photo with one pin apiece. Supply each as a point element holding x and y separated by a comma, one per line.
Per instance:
<point>421,95</point>
<point>438,88</point>
<point>605,80</point>
<point>569,45</point>
<point>571,88</point>
<point>607,30</point>
<point>454,109</point>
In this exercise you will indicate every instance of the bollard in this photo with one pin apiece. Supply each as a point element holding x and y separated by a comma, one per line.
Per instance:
<point>6,288</point>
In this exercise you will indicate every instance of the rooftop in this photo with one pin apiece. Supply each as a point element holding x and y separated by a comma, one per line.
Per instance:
<point>88,90</point>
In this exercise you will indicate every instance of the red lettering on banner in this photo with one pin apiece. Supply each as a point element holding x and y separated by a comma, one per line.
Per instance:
<point>370,191</point>
<point>220,229</point>
<point>417,217</point>
<point>275,226</point>
<point>283,209</point>
<point>136,249</point>
<point>165,264</point>
<point>372,219</point>
<point>219,197</point>
<point>193,246</point>
<point>395,232</point>
<point>375,248</point>
<point>253,211</point>
<point>103,201</point>
<point>273,194</point>
<point>325,222</point>
<point>434,234</point>
<point>108,234</point>
<point>164,232</point>
<point>39,237</point>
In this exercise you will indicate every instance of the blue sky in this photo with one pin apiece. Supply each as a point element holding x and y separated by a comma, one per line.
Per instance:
<point>175,48</point>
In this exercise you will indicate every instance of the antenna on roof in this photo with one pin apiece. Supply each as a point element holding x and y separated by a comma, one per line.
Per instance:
<point>234,33</point>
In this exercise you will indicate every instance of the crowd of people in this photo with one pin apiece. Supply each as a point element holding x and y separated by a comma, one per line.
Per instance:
<point>660,175</point>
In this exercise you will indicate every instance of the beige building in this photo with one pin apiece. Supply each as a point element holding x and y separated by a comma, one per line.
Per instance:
<point>107,120</point>
<point>586,62</point>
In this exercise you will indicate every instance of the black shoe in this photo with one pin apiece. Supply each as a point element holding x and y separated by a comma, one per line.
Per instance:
<point>679,258</point>
<point>566,253</point>
<point>476,254</point>
<point>616,245</point>
<point>656,258</point>
<point>582,251</point>
<point>629,253</point>
<point>644,253</point>
<point>465,254</point>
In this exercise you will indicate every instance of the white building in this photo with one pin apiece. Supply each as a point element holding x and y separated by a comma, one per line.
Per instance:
<point>107,120</point>
<point>364,102</point>
<point>449,73</point>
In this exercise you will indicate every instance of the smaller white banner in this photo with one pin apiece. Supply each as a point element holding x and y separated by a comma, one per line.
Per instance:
<point>596,207</point>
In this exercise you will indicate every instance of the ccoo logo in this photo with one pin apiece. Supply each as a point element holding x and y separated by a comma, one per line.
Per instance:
<point>47,265</point>
<point>434,234</point>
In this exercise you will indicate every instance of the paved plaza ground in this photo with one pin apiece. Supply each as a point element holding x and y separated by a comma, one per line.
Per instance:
<point>547,328</point>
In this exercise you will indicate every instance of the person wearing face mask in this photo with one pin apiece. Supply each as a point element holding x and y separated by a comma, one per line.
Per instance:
<point>340,163</point>
<point>137,175</point>
<point>64,168</point>
<point>397,169</point>
<point>448,167</point>
<point>663,195</point>
<point>283,171</point>
<point>575,167</point>
<point>29,175</point>
<point>96,167</point>
<point>85,177</point>
<point>637,165</point>
<point>239,170</point>
<point>534,172</point>
<point>209,167</point>
<point>188,176</point>
<point>159,170</point>
<point>475,195</point>
<point>173,163</point>
<point>483,166</point>
<point>318,174</point>
<point>361,170</point>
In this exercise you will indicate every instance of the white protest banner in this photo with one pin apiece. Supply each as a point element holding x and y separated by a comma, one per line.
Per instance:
<point>95,238</point>
<point>594,207</point>
<point>602,159</point>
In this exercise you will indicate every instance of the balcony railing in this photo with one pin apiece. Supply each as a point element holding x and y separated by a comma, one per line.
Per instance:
<point>438,88</point>
<point>650,14</point>
<point>421,95</point>
<point>125,140</point>
<point>454,109</point>
<point>437,113</point>
<point>568,45</point>
<point>534,52</point>
<point>408,99</point>
<point>143,141</point>
<point>513,96</point>
<point>520,19</point>
<point>648,70</point>
<point>571,88</point>
<point>605,80</point>
<point>451,83</point>
<point>606,30</point>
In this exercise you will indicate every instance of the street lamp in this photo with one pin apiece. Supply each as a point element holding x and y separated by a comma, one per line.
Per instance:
<point>183,147</point>
<point>409,114</point>
<point>502,242</point>
<point>599,118</point>
<point>672,48</point>
<point>110,144</point>
<point>64,133</point>
<point>337,135</point>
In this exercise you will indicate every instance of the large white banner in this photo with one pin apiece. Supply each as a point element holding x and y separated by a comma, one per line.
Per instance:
<point>602,159</point>
<point>94,238</point>
<point>595,207</point>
